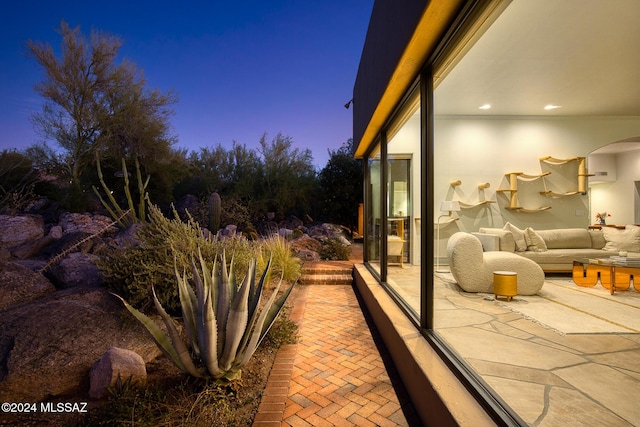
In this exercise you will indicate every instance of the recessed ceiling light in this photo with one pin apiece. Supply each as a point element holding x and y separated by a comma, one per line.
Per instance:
<point>484,107</point>
<point>552,107</point>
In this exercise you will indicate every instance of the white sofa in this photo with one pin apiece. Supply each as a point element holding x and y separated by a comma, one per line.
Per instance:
<point>555,250</point>
<point>472,268</point>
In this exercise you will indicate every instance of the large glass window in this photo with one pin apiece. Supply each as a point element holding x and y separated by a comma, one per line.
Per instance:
<point>403,204</point>
<point>517,108</point>
<point>373,195</point>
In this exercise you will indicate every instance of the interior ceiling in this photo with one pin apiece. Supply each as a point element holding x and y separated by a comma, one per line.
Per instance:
<point>582,55</point>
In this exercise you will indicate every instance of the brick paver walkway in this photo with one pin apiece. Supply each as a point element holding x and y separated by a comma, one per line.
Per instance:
<point>334,375</point>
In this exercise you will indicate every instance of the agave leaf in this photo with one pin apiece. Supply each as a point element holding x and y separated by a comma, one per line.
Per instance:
<point>274,310</point>
<point>233,283</point>
<point>210,338</point>
<point>161,339</point>
<point>267,316</point>
<point>224,302</point>
<point>188,303</point>
<point>206,323</point>
<point>257,293</point>
<point>203,265</point>
<point>201,297</point>
<point>254,303</point>
<point>238,317</point>
<point>213,288</point>
<point>181,349</point>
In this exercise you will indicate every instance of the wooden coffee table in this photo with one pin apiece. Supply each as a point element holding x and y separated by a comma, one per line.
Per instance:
<point>615,272</point>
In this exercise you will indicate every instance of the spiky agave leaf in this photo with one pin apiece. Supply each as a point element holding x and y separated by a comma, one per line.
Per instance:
<point>256,293</point>
<point>188,304</point>
<point>238,318</point>
<point>161,339</point>
<point>274,311</point>
<point>181,349</point>
<point>206,324</point>
<point>268,315</point>
<point>253,307</point>
<point>224,302</point>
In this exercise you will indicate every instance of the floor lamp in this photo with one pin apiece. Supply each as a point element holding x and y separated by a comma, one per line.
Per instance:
<point>449,206</point>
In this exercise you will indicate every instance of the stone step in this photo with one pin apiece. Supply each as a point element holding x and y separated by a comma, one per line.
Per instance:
<point>326,279</point>
<point>326,275</point>
<point>327,270</point>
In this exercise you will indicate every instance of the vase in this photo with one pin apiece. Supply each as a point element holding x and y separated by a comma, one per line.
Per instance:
<point>603,222</point>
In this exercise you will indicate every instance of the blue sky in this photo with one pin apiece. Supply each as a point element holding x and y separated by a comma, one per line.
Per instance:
<point>239,68</point>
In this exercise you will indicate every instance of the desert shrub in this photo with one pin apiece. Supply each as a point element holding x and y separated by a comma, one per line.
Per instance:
<point>131,271</point>
<point>17,181</point>
<point>335,250</point>
<point>283,261</point>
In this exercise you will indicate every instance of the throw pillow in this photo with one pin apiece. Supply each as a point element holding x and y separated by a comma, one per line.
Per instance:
<point>534,241</point>
<point>518,236</point>
<point>507,243</point>
<point>621,240</point>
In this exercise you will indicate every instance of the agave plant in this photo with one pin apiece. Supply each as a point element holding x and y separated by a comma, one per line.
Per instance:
<point>224,323</point>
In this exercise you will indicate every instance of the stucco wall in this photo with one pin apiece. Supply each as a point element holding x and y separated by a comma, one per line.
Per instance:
<point>477,150</point>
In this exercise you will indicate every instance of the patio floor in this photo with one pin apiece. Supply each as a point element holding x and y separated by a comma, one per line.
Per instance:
<point>338,374</point>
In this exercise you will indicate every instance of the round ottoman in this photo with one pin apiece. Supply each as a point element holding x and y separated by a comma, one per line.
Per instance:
<point>505,283</point>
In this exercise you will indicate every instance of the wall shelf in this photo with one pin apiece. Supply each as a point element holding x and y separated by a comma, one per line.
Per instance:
<point>525,210</point>
<point>513,177</point>
<point>464,205</point>
<point>582,173</point>
<point>447,222</point>
<point>556,161</point>
<point>554,194</point>
<point>481,187</point>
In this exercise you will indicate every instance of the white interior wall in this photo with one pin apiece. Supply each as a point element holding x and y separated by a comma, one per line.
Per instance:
<point>617,197</point>
<point>483,149</point>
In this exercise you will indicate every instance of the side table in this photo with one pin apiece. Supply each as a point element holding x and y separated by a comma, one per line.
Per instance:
<point>505,283</point>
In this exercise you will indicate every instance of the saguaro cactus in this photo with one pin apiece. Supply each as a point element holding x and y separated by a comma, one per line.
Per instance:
<point>214,212</point>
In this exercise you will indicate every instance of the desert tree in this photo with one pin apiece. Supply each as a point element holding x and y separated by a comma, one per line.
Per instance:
<point>93,103</point>
<point>341,186</point>
<point>288,176</point>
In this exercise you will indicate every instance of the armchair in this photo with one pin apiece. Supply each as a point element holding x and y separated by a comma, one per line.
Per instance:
<point>473,269</point>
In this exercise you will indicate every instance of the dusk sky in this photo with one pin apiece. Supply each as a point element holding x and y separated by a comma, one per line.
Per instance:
<point>238,68</point>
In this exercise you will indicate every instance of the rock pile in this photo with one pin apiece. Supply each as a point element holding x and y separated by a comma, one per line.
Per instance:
<point>56,317</point>
<point>54,326</point>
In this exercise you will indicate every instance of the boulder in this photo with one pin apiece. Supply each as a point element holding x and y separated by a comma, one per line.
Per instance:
<point>229,230</point>
<point>307,248</point>
<point>326,231</point>
<point>285,232</point>
<point>19,285</point>
<point>291,222</point>
<point>18,230</point>
<point>306,242</point>
<point>48,347</point>
<point>77,241</point>
<point>76,269</point>
<point>116,363</point>
<point>48,209</point>
<point>31,248</point>
<point>307,255</point>
<point>56,232</point>
<point>87,223</point>
<point>5,255</point>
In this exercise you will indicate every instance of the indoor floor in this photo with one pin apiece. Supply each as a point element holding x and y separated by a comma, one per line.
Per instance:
<point>548,377</point>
